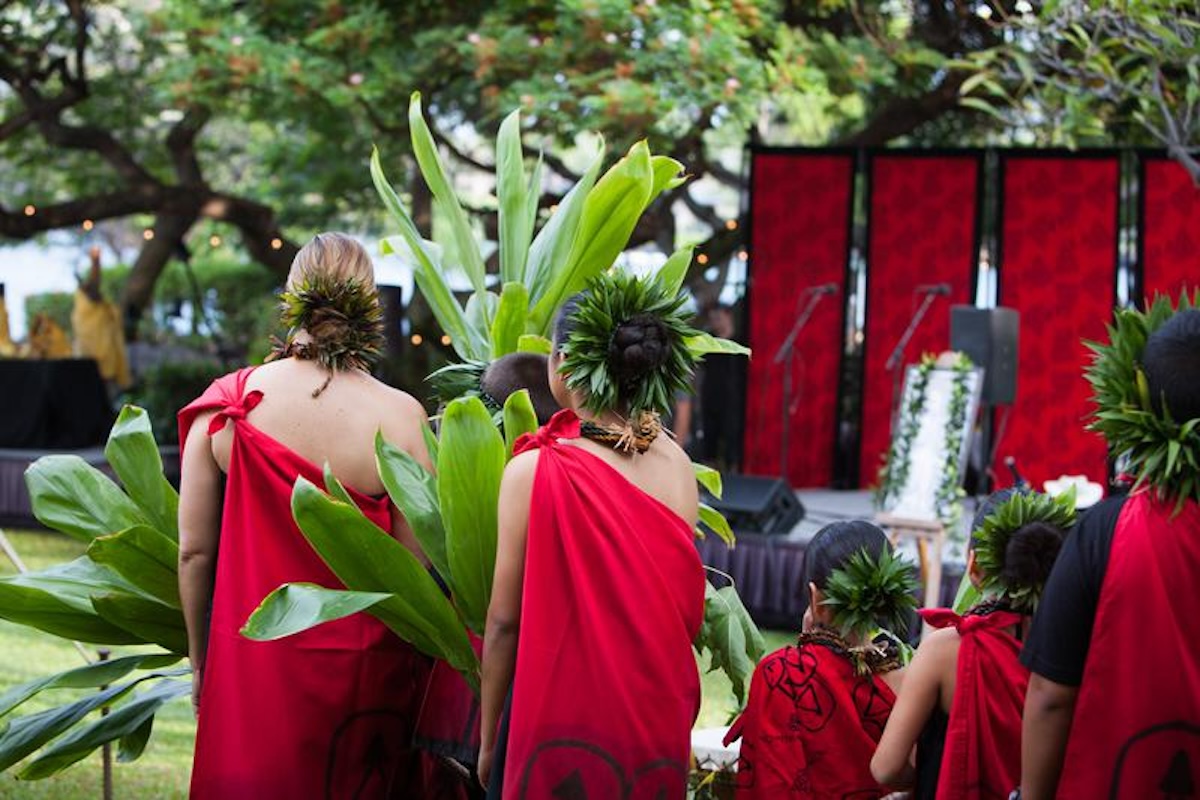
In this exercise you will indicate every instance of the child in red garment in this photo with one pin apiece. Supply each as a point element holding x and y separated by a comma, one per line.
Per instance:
<point>817,709</point>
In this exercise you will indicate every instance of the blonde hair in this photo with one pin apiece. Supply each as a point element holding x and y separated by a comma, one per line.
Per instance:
<point>332,255</point>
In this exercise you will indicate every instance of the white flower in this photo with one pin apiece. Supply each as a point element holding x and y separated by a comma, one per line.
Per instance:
<point>983,11</point>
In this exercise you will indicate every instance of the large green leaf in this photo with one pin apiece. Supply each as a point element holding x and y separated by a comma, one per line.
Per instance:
<point>532,343</point>
<point>144,557</point>
<point>149,620</point>
<point>515,221</point>
<point>133,454</point>
<point>509,325</point>
<point>731,636</point>
<point>713,520</point>
<point>705,343</point>
<point>367,559</point>
<point>71,496</point>
<point>99,673</point>
<point>129,718</point>
<point>133,744</point>
<point>335,488</point>
<point>296,607</point>
<point>610,213</point>
<point>667,175</point>
<point>675,270</point>
<point>414,491</point>
<point>426,272</point>
<point>444,197</point>
<point>709,478</point>
<point>470,466</point>
<point>57,600</point>
<point>519,418</point>
<point>554,241</point>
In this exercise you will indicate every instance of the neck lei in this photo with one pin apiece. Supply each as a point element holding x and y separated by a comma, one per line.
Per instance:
<point>627,438</point>
<point>867,659</point>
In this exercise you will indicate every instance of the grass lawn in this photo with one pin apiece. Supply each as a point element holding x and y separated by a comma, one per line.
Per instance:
<point>164,769</point>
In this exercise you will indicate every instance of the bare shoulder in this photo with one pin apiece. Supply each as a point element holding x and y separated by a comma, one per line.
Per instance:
<point>520,471</point>
<point>940,644</point>
<point>401,402</point>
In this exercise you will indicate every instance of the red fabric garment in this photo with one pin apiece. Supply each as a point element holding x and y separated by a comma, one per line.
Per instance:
<point>327,713</point>
<point>810,728</point>
<point>982,756</point>
<point>1136,729</point>
<point>606,686</point>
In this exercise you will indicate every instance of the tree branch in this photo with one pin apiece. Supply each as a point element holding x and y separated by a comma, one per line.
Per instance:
<point>905,114</point>
<point>181,142</point>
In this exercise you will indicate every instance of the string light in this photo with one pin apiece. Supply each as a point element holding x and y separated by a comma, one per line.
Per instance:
<point>276,243</point>
<point>214,240</point>
<point>88,224</point>
<point>147,234</point>
<point>30,210</point>
<point>702,259</point>
<point>445,340</point>
<point>731,224</point>
<point>417,339</point>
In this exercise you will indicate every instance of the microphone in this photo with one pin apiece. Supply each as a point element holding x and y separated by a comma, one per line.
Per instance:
<point>824,288</point>
<point>933,288</point>
<point>1019,481</point>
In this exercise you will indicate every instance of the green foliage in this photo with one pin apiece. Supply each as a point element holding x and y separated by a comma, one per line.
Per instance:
<point>992,537</point>
<point>610,300</point>
<point>133,455</point>
<point>296,607</point>
<point>731,637</point>
<point>56,305</point>
<point>519,418</point>
<point>1163,453</point>
<point>868,593</point>
<point>164,389</point>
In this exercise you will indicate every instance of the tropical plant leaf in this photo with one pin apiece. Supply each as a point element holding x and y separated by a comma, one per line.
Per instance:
<point>133,455</point>
<point>444,198</point>
<point>519,418</point>
<point>515,221</point>
<point>531,343</point>
<point>123,721</point>
<point>509,325</point>
<point>731,637</point>
<point>667,175</point>
<point>132,745</point>
<point>713,520</point>
<point>48,601</point>
<point>98,673</point>
<point>73,497</point>
<point>554,241</point>
<point>470,466</point>
<point>334,487</point>
<point>705,343</point>
<point>709,478</point>
<point>144,557</point>
<point>365,558</point>
<point>296,607</point>
<point>675,270</point>
<point>147,619</point>
<point>414,491</point>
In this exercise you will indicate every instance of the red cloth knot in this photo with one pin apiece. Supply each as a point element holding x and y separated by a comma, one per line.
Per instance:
<point>563,425</point>
<point>235,411</point>
<point>945,618</point>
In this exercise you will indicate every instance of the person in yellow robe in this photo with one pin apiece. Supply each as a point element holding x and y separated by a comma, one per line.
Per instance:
<point>98,333</point>
<point>7,348</point>
<point>47,339</point>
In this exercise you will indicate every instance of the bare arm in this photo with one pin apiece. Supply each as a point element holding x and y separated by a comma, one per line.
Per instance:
<point>504,611</point>
<point>1049,707</point>
<point>199,532</point>
<point>892,764</point>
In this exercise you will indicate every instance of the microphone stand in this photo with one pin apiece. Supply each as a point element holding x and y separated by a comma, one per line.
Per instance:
<point>896,359</point>
<point>784,356</point>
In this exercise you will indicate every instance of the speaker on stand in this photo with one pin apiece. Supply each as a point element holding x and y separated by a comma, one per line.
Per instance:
<point>990,337</point>
<point>757,505</point>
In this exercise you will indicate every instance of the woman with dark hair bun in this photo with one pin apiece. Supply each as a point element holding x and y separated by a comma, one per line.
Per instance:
<point>598,590</point>
<point>964,691</point>
<point>817,708</point>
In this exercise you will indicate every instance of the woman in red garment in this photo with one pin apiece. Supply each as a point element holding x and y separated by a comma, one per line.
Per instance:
<point>327,713</point>
<point>964,691</point>
<point>599,590</point>
<point>817,708</point>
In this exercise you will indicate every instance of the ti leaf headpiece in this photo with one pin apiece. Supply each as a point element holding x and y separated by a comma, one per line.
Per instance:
<point>990,541</point>
<point>1163,453</point>
<point>343,318</point>
<point>869,592</point>
<point>589,350</point>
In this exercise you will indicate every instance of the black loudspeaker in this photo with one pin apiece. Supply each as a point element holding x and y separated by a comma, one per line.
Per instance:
<point>757,505</point>
<point>989,336</point>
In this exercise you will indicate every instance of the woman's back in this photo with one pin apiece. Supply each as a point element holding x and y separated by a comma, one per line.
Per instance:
<point>664,472</point>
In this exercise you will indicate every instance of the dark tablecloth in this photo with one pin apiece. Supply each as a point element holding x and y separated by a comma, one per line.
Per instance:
<point>52,404</point>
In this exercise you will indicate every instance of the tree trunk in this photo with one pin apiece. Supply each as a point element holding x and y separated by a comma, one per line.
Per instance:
<point>169,231</point>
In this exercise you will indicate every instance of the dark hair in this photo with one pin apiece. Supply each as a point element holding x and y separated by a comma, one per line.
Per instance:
<point>639,345</point>
<point>1171,361</point>
<point>832,547</point>
<point>514,372</point>
<point>1030,555</point>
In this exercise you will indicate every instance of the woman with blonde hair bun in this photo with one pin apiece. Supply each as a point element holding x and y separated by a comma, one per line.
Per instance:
<point>328,712</point>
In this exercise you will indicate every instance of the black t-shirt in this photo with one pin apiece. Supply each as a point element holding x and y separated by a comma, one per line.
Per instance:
<point>1058,642</point>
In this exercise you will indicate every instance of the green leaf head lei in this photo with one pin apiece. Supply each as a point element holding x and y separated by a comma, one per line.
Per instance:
<point>626,346</point>
<point>991,545</point>
<point>870,592</point>
<point>343,320</point>
<point>1163,453</point>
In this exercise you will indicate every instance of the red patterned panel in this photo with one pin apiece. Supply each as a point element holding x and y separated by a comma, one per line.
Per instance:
<point>1057,268</point>
<point>922,232</point>
<point>800,218</point>
<point>1170,229</point>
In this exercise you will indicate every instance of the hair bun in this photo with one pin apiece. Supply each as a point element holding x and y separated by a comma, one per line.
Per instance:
<point>639,345</point>
<point>1030,554</point>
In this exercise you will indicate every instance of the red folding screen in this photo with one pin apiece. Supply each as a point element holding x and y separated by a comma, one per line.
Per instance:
<point>801,209</point>
<point>1170,222</point>
<point>923,232</point>
<point>1057,267</point>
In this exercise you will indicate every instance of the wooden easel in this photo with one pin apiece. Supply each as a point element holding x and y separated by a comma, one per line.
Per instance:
<point>930,537</point>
